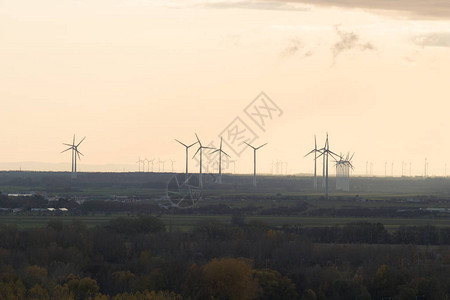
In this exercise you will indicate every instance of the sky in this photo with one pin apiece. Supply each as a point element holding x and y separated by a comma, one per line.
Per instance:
<point>133,75</point>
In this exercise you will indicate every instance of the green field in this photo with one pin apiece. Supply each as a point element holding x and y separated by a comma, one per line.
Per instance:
<point>187,222</point>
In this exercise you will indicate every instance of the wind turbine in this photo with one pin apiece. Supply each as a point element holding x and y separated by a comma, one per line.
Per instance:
<point>325,151</point>
<point>220,159</point>
<point>143,164</point>
<point>315,150</point>
<point>187,154</point>
<point>172,161</point>
<point>254,160</point>
<point>200,148</point>
<point>150,161</point>
<point>75,153</point>
<point>139,161</point>
<point>342,172</point>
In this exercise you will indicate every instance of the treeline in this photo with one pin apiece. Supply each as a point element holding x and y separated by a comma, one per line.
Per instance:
<point>136,258</point>
<point>374,233</point>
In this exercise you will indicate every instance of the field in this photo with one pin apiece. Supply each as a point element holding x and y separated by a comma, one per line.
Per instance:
<point>274,193</point>
<point>187,222</point>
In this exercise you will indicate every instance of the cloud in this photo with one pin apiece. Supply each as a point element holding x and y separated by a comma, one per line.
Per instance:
<point>348,41</point>
<point>430,9</point>
<point>418,8</point>
<point>255,4</point>
<point>295,45</point>
<point>435,39</point>
<point>296,48</point>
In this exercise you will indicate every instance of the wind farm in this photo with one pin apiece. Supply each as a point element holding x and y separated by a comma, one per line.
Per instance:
<point>238,150</point>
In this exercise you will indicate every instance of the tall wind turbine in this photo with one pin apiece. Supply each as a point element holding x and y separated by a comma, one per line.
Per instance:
<point>254,160</point>
<point>200,148</point>
<point>75,153</point>
<point>325,151</point>
<point>315,150</point>
<point>220,159</point>
<point>187,154</point>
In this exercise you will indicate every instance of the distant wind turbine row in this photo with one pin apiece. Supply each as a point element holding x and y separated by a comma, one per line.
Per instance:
<point>342,165</point>
<point>220,151</point>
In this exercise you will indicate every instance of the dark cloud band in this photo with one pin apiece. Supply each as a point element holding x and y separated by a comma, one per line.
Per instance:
<point>418,8</point>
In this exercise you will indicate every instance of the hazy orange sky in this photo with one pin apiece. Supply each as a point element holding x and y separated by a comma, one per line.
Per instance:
<point>132,76</point>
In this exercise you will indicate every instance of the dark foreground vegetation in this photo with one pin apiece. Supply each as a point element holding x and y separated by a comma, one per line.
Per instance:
<point>137,258</point>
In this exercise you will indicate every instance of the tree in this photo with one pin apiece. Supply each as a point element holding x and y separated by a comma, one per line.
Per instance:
<point>309,295</point>
<point>62,292</point>
<point>37,293</point>
<point>35,275</point>
<point>82,288</point>
<point>228,279</point>
<point>272,285</point>
<point>12,290</point>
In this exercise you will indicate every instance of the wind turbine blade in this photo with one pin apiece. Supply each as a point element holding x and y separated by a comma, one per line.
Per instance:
<point>312,151</point>
<point>197,151</point>
<point>198,140</point>
<point>249,145</point>
<point>351,157</point>
<point>79,153</point>
<point>180,143</point>
<point>192,144</point>
<point>225,153</point>
<point>215,151</point>
<point>331,152</point>
<point>315,142</point>
<point>68,145</point>
<point>333,155</point>
<point>261,146</point>
<point>81,141</point>
<point>221,143</point>
<point>66,150</point>
<point>73,143</point>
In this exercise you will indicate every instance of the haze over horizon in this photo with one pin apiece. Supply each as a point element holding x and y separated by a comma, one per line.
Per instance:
<point>133,75</point>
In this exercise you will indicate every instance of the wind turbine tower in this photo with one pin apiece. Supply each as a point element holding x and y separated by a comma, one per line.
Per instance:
<point>325,151</point>
<point>139,161</point>
<point>220,159</point>
<point>75,153</point>
<point>315,151</point>
<point>187,154</point>
<point>200,148</point>
<point>150,161</point>
<point>343,172</point>
<point>254,160</point>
